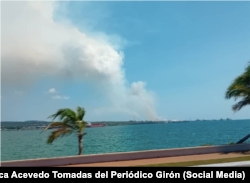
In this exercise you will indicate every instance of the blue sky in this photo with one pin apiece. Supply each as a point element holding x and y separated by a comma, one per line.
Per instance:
<point>187,52</point>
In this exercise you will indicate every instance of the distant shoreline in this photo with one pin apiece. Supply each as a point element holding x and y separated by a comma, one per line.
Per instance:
<point>39,125</point>
<point>20,126</point>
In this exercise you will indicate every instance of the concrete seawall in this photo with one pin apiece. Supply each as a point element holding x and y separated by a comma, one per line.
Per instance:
<point>83,159</point>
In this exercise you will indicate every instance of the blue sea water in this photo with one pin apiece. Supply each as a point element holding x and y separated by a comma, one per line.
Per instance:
<point>31,144</point>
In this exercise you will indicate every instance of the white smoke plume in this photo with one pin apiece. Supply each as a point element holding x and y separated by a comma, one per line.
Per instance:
<point>34,46</point>
<point>52,90</point>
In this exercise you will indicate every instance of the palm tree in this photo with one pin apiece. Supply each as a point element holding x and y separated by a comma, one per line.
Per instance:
<point>70,122</point>
<point>240,88</point>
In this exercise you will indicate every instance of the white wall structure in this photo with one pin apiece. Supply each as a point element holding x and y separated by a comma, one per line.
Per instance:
<point>83,159</point>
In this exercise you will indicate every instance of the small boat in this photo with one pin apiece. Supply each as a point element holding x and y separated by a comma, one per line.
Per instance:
<point>95,125</point>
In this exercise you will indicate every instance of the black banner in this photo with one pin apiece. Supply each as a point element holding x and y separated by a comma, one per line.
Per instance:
<point>114,173</point>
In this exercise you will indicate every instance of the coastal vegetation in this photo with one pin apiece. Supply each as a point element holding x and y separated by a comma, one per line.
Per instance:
<point>240,88</point>
<point>69,122</point>
<point>206,145</point>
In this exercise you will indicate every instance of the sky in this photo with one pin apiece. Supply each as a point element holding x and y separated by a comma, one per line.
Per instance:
<point>122,60</point>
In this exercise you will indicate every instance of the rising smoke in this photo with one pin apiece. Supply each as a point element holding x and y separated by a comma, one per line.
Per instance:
<point>34,45</point>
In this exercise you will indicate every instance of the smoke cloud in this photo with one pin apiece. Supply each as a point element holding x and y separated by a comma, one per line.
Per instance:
<point>34,45</point>
<point>52,90</point>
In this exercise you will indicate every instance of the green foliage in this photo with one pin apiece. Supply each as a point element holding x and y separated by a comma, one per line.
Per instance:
<point>206,145</point>
<point>80,113</point>
<point>240,88</point>
<point>70,121</point>
<point>58,133</point>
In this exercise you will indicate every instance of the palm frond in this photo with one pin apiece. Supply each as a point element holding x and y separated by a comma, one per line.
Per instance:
<point>237,91</point>
<point>64,113</point>
<point>242,103</point>
<point>240,88</point>
<point>70,122</point>
<point>80,113</point>
<point>243,79</point>
<point>57,124</point>
<point>58,133</point>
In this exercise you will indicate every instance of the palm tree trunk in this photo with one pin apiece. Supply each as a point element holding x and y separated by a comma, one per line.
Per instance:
<point>244,139</point>
<point>80,143</point>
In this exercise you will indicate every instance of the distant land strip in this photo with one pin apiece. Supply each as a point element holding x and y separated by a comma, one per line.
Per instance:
<point>36,124</point>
